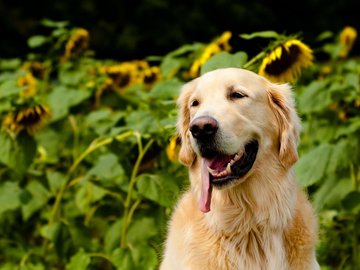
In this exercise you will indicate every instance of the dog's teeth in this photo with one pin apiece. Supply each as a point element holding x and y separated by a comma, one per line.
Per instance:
<point>211,171</point>
<point>228,168</point>
<point>236,158</point>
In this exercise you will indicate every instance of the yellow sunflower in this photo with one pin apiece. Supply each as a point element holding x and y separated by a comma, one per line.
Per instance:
<point>347,40</point>
<point>357,103</point>
<point>37,69</point>
<point>140,65</point>
<point>29,119</point>
<point>150,76</point>
<point>28,82</point>
<point>77,43</point>
<point>172,150</point>
<point>285,62</point>
<point>107,86</point>
<point>223,41</point>
<point>218,45</point>
<point>122,75</point>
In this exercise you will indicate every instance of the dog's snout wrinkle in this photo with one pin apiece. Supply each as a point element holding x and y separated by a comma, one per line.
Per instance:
<point>204,127</point>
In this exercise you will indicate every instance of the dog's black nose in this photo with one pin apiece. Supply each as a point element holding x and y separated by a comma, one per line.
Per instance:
<point>204,127</point>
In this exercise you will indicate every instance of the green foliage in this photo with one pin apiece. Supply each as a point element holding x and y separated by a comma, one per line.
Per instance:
<point>223,60</point>
<point>94,188</point>
<point>329,165</point>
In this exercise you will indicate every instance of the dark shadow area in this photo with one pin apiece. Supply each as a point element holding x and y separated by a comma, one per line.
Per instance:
<point>135,29</point>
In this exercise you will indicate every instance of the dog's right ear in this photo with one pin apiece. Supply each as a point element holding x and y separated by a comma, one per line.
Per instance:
<point>186,153</point>
<point>282,103</point>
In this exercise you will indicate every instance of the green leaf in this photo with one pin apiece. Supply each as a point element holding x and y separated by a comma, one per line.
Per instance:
<point>138,257</point>
<point>8,266</point>
<point>186,49</point>
<point>56,180</point>
<point>224,60</point>
<point>52,142</point>
<point>5,105</point>
<point>112,236</point>
<point>315,97</point>
<point>51,231</point>
<point>32,266</point>
<point>87,194</point>
<point>325,35</point>
<point>350,128</point>
<point>9,88</point>
<point>122,259</point>
<point>80,261</point>
<point>37,41</point>
<point>145,257</point>
<point>9,196</point>
<point>352,80</point>
<point>352,201</point>
<point>80,234</point>
<point>312,166</point>
<point>331,192</point>
<point>158,188</point>
<point>17,153</point>
<point>63,98</point>
<point>53,24</point>
<point>10,64</point>
<point>103,120</point>
<point>39,197</point>
<point>169,89</point>
<point>108,170</point>
<point>170,66</point>
<point>141,230</point>
<point>73,77</point>
<point>262,34</point>
<point>339,158</point>
<point>174,61</point>
<point>143,122</point>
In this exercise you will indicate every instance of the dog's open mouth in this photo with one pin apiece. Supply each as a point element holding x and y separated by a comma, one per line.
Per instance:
<point>222,170</point>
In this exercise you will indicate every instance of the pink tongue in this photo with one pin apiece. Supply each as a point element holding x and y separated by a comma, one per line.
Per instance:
<point>206,188</point>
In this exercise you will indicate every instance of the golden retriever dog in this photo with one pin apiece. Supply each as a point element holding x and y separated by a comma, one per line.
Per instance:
<point>244,209</point>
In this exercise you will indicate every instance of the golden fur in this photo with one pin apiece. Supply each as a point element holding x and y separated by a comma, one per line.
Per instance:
<point>264,221</point>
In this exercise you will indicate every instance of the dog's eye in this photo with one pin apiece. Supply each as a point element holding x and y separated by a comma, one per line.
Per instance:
<point>237,95</point>
<point>194,103</point>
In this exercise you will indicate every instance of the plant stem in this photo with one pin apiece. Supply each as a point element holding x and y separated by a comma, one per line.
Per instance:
<point>132,210</point>
<point>92,147</point>
<point>254,60</point>
<point>95,144</point>
<point>75,129</point>
<point>127,212</point>
<point>353,176</point>
<point>100,255</point>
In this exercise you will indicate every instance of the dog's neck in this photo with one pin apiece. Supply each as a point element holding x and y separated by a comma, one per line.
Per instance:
<point>253,204</point>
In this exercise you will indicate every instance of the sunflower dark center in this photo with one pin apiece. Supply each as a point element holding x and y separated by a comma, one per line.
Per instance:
<point>37,71</point>
<point>150,78</point>
<point>121,79</point>
<point>30,119</point>
<point>286,60</point>
<point>79,45</point>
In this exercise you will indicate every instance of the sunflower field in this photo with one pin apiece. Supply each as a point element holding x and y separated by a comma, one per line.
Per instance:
<point>88,149</point>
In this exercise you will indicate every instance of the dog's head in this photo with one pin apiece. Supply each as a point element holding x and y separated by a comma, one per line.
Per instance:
<point>231,119</point>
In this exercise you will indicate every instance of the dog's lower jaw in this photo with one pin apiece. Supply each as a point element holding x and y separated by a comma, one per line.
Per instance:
<point>251,202</point>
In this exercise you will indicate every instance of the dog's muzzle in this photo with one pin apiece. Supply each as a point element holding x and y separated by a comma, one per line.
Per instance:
<point>204,130</point>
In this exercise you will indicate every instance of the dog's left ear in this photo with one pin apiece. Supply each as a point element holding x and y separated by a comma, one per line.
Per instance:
<point>283,105</point>
<point>186,153</point>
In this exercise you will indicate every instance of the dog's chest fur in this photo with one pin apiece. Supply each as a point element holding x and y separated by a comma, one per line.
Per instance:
<point>245,244</point>
<point>252,250</point>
